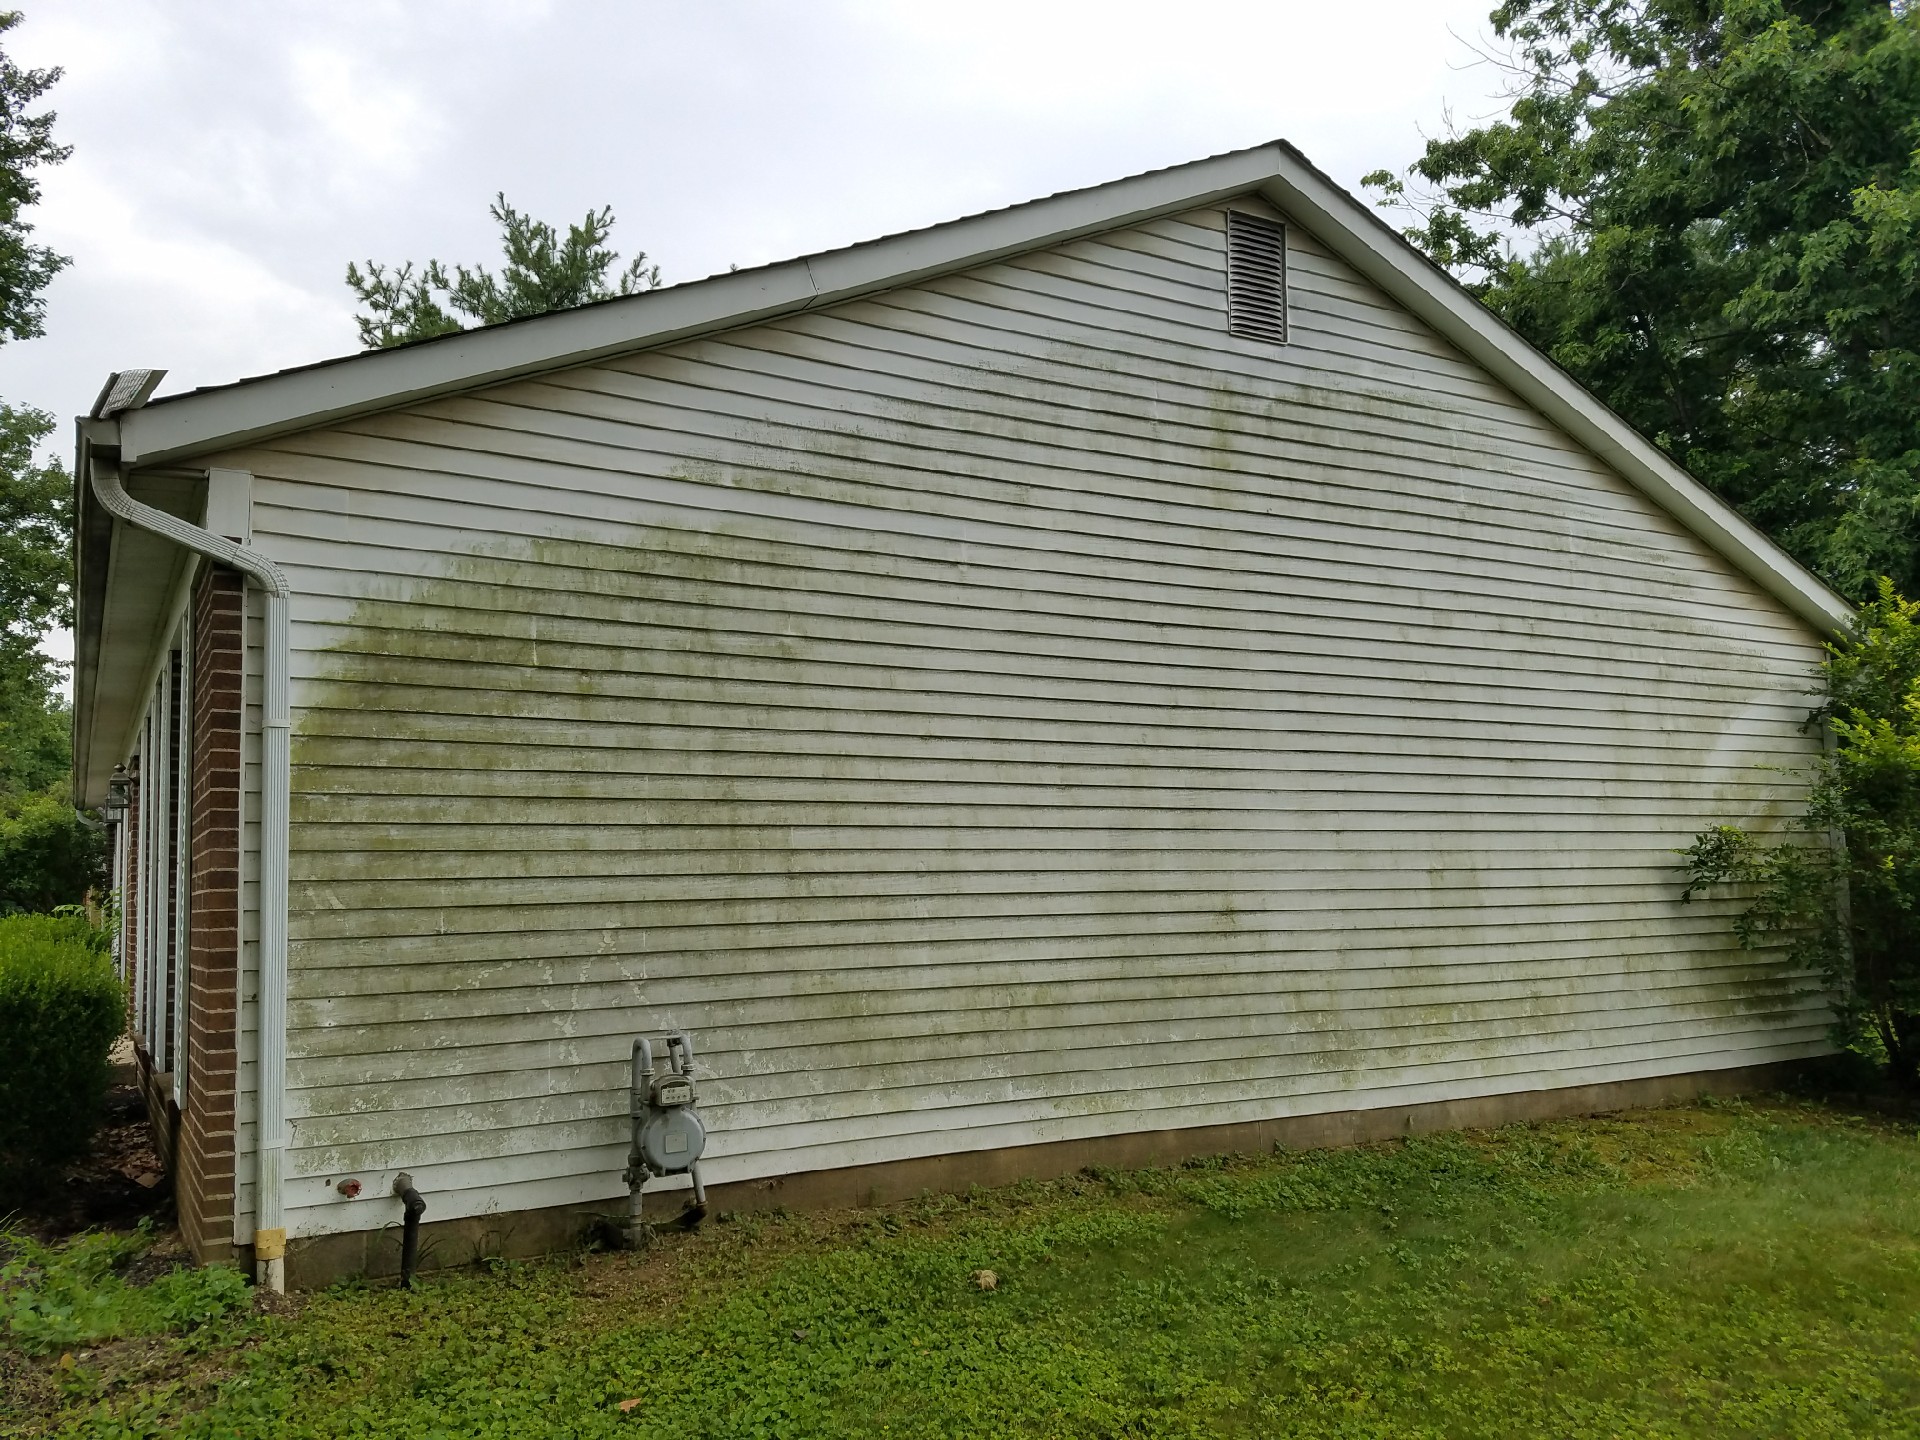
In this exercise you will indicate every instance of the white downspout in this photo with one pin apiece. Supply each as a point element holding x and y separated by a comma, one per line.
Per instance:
<point>269,1234</point>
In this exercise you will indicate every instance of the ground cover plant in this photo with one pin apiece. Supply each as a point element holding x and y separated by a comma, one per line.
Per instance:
<point>79,1294</point>
<point>1724,1270</point>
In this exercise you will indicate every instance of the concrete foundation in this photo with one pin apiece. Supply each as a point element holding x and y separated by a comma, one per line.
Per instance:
<point>320,1260</point>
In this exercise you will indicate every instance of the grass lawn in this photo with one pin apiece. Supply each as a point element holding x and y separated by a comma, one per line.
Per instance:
<point>1719,1270</point>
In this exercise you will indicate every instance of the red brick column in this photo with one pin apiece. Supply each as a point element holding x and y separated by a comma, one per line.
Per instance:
<point>204,1180</point>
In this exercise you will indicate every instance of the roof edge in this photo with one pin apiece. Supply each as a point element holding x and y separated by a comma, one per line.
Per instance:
<point>203,421</point>
<point>1389,260</point>
<point>178,427</point>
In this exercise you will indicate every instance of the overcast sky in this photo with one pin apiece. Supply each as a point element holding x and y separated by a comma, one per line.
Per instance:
<point>229,159</point>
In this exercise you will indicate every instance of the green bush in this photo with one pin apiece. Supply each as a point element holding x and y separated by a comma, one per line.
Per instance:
<point>48,857</point>
<point>61,1009</point>
<point>1841,887</point>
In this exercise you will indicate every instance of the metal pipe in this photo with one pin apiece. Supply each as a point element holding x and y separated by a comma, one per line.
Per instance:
<point>269,1233</point>
<point>414,1207</point>
<point>639,1086</point>
<point>635,1231</point>
<point>683,1043</point>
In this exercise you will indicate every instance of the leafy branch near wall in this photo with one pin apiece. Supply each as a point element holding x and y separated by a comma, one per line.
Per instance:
<point>1843,888</point>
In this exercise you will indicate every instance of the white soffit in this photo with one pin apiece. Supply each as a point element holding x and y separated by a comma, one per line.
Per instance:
<point>202,421</point>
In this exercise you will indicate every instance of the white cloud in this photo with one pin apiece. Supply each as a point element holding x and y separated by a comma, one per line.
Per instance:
<point>229,160</point>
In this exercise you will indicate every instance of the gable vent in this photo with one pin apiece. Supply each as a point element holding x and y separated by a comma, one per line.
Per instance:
<point>1256,278</point>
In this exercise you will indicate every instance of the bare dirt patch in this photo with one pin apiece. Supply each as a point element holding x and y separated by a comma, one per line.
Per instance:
<point>119,1183</point>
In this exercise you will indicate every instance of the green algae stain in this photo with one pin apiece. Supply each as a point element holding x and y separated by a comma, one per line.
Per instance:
<point>434,698</point>
<point>636,695</point>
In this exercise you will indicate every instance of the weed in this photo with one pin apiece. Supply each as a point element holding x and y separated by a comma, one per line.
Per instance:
<point>54,1297</point>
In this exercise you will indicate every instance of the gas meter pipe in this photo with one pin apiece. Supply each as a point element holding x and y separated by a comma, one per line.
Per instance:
<point>640,1081</point>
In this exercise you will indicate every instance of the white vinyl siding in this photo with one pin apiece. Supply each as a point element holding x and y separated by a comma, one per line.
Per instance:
<point>1006,709</point>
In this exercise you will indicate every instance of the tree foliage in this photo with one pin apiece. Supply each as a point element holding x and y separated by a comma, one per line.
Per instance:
<point>1842,888</point>
<point>36,529</point>
<point>48,856</point>
<point>36,596</point>
<point>1707,211</point>
<point>543,271</point>
<point>26,144</point>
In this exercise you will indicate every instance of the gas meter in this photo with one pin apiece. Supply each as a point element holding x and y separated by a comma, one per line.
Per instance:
<point>668,1137</point>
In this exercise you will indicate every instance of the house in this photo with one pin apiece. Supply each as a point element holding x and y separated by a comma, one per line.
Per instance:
<point>1151,671</point>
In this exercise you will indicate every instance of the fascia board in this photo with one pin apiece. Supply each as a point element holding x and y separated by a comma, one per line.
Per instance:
<point>192,425</point>
<point>1383,257</point>
<point>382,379</point>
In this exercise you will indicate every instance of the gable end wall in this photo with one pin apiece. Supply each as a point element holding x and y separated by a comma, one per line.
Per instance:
<point>1002,711</point>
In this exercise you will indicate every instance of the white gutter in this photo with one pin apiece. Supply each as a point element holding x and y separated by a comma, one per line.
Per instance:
<point>269,1234</point>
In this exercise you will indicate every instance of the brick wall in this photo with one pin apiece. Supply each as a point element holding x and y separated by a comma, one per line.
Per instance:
<point>204,1175</point>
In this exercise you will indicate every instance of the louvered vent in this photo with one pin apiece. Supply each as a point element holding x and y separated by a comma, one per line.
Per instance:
<point>1256,278</point>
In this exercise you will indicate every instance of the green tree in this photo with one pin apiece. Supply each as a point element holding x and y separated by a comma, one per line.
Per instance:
<point>26,143</point>
<point>543,271</point>
<point>36,597</point>
<point>1842,888</point>
<point>36,529</point>
<point>47,855</point>
<point>48,858</point>
<point>36,502</point>
<point>1706,211</point>
<point>35,726</point>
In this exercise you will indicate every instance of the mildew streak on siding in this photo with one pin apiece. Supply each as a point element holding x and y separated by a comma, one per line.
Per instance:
<point>1074,721</point>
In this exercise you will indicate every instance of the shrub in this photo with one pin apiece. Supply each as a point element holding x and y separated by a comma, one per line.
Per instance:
<point>1842,887</point>
<point>61,1008</point>
<point>48,857</point>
